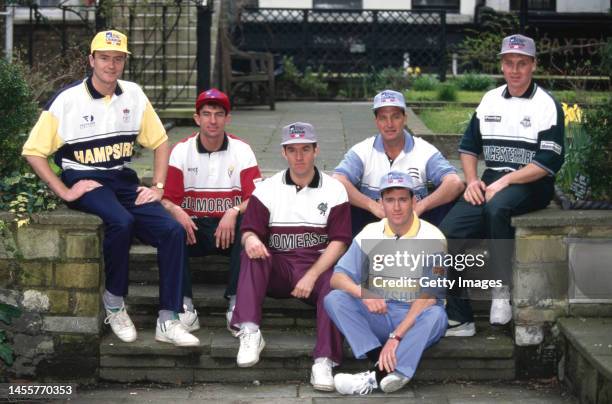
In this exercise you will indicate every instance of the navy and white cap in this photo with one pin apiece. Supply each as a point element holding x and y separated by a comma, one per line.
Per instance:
<point>389,98</point>
<point>298,132</point>
<point>518,44</point>
<point>396,179</point>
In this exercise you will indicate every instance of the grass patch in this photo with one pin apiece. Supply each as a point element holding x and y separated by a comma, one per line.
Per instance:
<point>431,95</point>
<point>580,97</point>
<point>567,96</point>
<point>446,120</point>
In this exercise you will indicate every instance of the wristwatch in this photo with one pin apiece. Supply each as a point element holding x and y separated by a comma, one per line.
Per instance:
<point>395,337</point>
<point>159,185</point>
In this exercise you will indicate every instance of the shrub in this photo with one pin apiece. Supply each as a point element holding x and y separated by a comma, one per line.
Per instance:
<point>392,79</point>
<point>446,92</point>
<point>7,312</point>
<point>17,115</point>
<point>586,173</point>
<point>478,51</point>
<point>21,191</point>
<point>426,82</point>
<point>474,82</point>
<point>294,83</point>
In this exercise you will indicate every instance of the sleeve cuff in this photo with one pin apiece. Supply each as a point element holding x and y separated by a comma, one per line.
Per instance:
<point>542,166</point>
<point>30,152</point>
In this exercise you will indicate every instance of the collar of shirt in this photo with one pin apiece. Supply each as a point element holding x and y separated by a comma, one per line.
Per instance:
<point>412,231</point>
<point>202,149</point>
<point>314,183</point>
<point>95,94</point>
<point>527,94</point>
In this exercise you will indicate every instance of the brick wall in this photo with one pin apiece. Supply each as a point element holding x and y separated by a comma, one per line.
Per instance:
<point>541,275</point>
<point>51,269</point>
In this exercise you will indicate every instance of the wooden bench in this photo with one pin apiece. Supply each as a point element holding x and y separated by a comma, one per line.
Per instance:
<point>255,80</point>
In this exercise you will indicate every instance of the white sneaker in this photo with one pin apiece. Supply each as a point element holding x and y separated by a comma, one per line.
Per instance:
<point>457,329</point>
<point>228,320</point>
<point>360,383</point>
<point>321,377</point>
<point>251,345</point>
<point>174,332</point>
<point>121,324</point>
<point>190,319</point>
<point>393,382</point>
<point>501,312</point>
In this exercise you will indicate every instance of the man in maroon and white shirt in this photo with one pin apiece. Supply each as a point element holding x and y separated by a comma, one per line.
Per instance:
<point>211,176</point>
<point>296,227</point>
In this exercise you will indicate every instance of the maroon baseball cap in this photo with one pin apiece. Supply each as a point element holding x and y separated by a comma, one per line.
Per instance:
<point>213,96</point>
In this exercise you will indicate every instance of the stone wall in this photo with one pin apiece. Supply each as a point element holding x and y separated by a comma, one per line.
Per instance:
<point>51,269</point>
<point>541,275</point>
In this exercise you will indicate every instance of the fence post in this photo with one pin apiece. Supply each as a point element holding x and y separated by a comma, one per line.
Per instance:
<point>305,39</point>
<point>8,33</point>
<point>203,52</point>
<point>523,16</point>
<point>442,66</point>
<point>100,16</point>
<point>164,53</point>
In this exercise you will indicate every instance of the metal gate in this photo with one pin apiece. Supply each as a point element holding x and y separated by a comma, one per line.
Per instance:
<point>162,40</point>
<point>348,41</point>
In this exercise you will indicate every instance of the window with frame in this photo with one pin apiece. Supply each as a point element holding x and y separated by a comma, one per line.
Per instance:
<point>338,4</point>
<point>535,5</point>
<point>448,5</point>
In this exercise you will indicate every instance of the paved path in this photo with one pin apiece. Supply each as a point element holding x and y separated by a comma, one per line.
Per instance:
<point>430,393</point>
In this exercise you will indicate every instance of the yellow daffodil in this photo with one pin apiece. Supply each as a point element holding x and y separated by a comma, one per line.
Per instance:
<point>572,114</point>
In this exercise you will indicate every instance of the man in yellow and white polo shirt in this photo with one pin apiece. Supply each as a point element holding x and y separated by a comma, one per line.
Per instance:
<point>91,126</point>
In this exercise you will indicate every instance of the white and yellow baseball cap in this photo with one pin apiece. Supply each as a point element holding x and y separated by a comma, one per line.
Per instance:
<point>109,41</point>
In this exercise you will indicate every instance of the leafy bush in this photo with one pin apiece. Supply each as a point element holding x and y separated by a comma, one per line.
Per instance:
<point>478,51</point>
<point>391,78</point>
<point>21,191</point>
<point>606,58</point>
<point>587,171</point>
<point>474,82</point>
<point>7,312</point>
<point>294,83</point>
<point>446,92</point>
<point>17,115</point>
<point>426,82</point>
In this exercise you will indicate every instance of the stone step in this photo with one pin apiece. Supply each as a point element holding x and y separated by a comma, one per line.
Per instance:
<point>172,47</point>
<point>488,355</point>
<point>211,305</point>
<point>209,301</point>
<point>172,75</point>
<point>586,365</point>
<point>144,270</point>
<point>180,62</point>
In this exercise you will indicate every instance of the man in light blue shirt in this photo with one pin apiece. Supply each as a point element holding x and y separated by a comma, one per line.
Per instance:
<point>394,148</point>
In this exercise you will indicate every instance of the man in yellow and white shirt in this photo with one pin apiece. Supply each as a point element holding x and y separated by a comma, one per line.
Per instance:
<point>91,126</point>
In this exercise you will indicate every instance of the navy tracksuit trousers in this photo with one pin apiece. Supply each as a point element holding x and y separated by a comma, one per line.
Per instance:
<point>114,204</point>
<point>490,221</point>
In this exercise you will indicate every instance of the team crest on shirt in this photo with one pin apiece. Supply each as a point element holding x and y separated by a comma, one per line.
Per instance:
<point>230,171</point>
<point>322,208</point>
<point>526,122</point>
<point>89,122</point>
<point>126,115</point>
